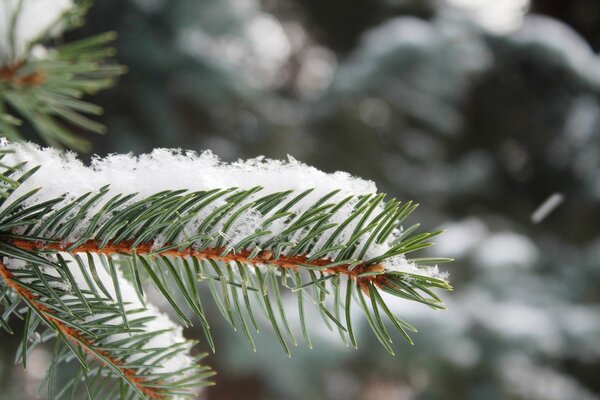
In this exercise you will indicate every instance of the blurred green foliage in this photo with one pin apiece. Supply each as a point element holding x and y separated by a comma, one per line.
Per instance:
<point>479,127</point>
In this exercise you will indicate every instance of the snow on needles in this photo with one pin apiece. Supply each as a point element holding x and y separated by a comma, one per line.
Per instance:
<point>24,22</point>
<point>164,169</point>
<point>168,169</point>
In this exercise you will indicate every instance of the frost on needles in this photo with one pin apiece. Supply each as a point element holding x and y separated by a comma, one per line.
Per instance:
<point>81,244</point>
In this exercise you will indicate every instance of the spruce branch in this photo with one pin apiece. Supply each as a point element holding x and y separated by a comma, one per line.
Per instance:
<point>119,337</point>
<point>72,335</point>
<point>250,246</point>
<point>44,85</point>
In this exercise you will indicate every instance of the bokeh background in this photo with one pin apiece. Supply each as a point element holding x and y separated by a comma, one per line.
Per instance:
<point>479,110</point>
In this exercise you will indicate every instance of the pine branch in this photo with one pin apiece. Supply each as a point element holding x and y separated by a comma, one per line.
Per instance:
<point>362,273</point>
<point>74,335</point>
<point>43,85</point>
<point>115,336</point>
<point>330,247</point>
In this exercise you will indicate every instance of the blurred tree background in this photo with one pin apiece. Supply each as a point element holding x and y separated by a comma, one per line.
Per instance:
<point>477,109</point>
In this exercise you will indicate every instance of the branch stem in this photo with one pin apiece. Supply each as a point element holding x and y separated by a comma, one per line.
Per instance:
<point>214,253</point>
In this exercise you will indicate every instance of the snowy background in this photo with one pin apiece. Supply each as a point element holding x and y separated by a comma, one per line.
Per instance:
<point>486,112</point>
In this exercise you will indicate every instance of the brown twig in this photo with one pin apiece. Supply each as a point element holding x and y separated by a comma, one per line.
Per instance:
<point>11,74</point>
<point>214,253</point>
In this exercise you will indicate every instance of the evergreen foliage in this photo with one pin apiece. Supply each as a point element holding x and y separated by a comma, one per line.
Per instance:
<point>76,269</point>
<point>55,249</point>
<point>480,127</point>
<point>45,85</point>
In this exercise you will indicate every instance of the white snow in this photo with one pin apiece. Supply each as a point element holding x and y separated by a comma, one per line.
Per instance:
<point>160,321</point>
<point>547,207</point>
<point>560,41</point>
<point>253,45</point>
<point>507,248</point>
<point>164,169</point>
<point>33,20</point>
<point>461,237</point>
<point>495,15</point>
<point>167,169</point>
<point>523,378</point>
<point>316,71</point>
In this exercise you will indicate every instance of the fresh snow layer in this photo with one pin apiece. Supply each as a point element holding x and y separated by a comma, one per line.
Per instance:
<point>164,169</point>
<point>168,169</point>
<point>33,19</point>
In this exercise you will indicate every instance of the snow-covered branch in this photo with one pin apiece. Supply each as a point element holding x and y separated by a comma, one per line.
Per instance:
<point>101,314</point>
<point>175,219</point>
<point>44,84</point>
<point>173,170</point>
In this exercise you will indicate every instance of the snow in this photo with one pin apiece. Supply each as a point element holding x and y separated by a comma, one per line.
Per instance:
<point>471,236</point>
<point>495,15</point>
<point>252,44</point>
<point>561,42</point>
<point>160,320</point>
<point>507,248</point>
<point>317,69</point>
<point>461,237</point>
<point>34,20</point>
<point>164,169</point>
<point>167,169</point>
<point>547,207</point>
<point>527,380</point>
